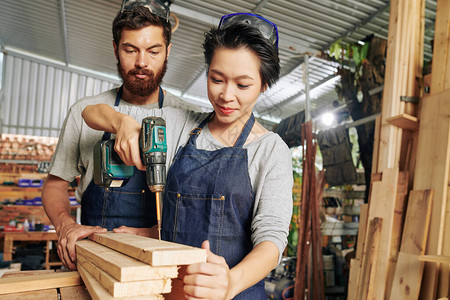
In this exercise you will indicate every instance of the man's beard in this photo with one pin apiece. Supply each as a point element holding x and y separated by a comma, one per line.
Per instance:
<point>142,87</point>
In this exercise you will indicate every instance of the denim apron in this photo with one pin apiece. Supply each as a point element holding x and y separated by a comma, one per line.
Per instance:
<point>209,197</point>
<point>132,205</point>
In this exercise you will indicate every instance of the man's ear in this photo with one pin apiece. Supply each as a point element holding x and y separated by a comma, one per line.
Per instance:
<point>168,50</point>
<point>116,53</point>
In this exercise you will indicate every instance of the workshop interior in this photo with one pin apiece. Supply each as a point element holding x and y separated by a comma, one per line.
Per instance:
<point>354,104</point>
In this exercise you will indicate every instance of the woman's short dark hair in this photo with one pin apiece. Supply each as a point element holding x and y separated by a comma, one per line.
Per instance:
<point>237,35</point>
<point>138,18</point>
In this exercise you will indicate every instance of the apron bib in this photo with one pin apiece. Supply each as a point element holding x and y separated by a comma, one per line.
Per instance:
<point>209,197</point>
<point>132,205</point>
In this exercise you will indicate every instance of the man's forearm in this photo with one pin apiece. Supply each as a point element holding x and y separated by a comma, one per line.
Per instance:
<point>102,117</point>
<point>55,200</point>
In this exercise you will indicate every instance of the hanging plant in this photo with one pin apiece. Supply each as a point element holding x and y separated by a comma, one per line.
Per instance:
<point>354,52</point>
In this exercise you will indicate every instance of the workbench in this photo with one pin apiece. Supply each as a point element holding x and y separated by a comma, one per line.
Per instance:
<point>10,237</point>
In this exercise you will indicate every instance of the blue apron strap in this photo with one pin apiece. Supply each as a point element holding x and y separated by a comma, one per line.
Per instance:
<point>160,98</point>
<point>245,132</point>
<point>107,135</point>
<point>196,131</point>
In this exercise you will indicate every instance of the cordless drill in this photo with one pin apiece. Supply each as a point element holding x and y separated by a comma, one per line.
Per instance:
<point>153,147</point>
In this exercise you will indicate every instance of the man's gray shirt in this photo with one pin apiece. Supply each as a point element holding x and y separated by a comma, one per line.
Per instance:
<point>74,152</point>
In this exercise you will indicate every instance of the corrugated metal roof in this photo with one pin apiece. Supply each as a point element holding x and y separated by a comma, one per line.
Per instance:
<point>78,33</point>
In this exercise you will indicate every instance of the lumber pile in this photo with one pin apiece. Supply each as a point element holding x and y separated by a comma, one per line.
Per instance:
<point>402,250</point>
<point>126,266</point>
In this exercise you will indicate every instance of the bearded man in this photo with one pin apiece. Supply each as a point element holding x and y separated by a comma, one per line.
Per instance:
<point>141,40</point>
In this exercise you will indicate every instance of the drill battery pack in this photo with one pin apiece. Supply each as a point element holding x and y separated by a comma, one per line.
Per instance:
<point>109,169</point>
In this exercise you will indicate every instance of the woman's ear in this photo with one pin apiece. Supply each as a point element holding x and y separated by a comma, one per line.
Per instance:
<point>264,88</point>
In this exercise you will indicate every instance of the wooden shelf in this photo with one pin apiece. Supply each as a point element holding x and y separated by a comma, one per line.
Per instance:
<point>343,194</point>
<point>434,258</point>
<point>404,121</point>
<point>23,162</point>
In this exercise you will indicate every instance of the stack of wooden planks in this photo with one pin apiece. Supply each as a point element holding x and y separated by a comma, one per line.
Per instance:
<point>126,266</point>
<point>402,250</point>
<point>42,284</point>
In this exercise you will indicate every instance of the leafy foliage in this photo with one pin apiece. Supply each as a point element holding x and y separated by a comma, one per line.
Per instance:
<point>356,52</point>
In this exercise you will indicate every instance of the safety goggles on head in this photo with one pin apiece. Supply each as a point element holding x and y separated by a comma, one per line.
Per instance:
<point>156,7</point>
<point>268,29</point>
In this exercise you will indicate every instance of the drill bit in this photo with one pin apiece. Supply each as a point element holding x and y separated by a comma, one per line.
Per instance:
<point>158,213</point>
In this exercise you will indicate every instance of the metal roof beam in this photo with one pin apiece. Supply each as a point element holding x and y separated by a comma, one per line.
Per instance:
<point>299,94</point>
<point>260,6</point>
<point>192,14</point>
<point>62,14</point>
<point>2,43</point>
<point>357,26</point>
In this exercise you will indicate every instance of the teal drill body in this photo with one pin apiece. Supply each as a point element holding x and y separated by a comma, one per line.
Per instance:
<point>153,147</point>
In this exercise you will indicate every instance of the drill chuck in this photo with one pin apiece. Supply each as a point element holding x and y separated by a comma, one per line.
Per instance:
<point>156,177</point>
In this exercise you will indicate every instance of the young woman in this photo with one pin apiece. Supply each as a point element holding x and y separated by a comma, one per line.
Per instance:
<point>229,185</point>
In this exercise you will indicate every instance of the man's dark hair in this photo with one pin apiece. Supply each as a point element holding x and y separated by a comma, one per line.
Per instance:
<point>138,18</point>
<point>242,35</point>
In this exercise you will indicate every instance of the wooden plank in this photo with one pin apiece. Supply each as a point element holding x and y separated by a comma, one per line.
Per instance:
<point>396,229</point>
<point>51,294</point>
<point>355,268</point>
<point>74,293</point>
<point>405,30</point>
<point>375,191</point>
<point>404,121</point>
<point>409,270</point>
<point>125,289</point>
<point>444,269</point>
<point>376,145</point>
<point>38,282</point>
<point>366,290</point>
<point>363,216</point>
<point>417,222</point>
<point>355,264</point>
<point>122,267</point>
<point>151,251</point>
<point>435,258</point>
<point>97,292</point>
<point>26,273</point>
<point>441,48</point>
<point>444,279</point>
<point>383,205</point>
<point>390,135</point>
<point>432,168</point>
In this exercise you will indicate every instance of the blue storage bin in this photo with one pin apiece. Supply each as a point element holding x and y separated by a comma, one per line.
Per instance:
<point>36,182</point>
<point>24,182</point>
<point>37,201</point>
<point>27,201</point>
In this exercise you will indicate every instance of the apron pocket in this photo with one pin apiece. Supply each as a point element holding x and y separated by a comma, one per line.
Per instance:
<point>193,218</point>
<point>127,208</point>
